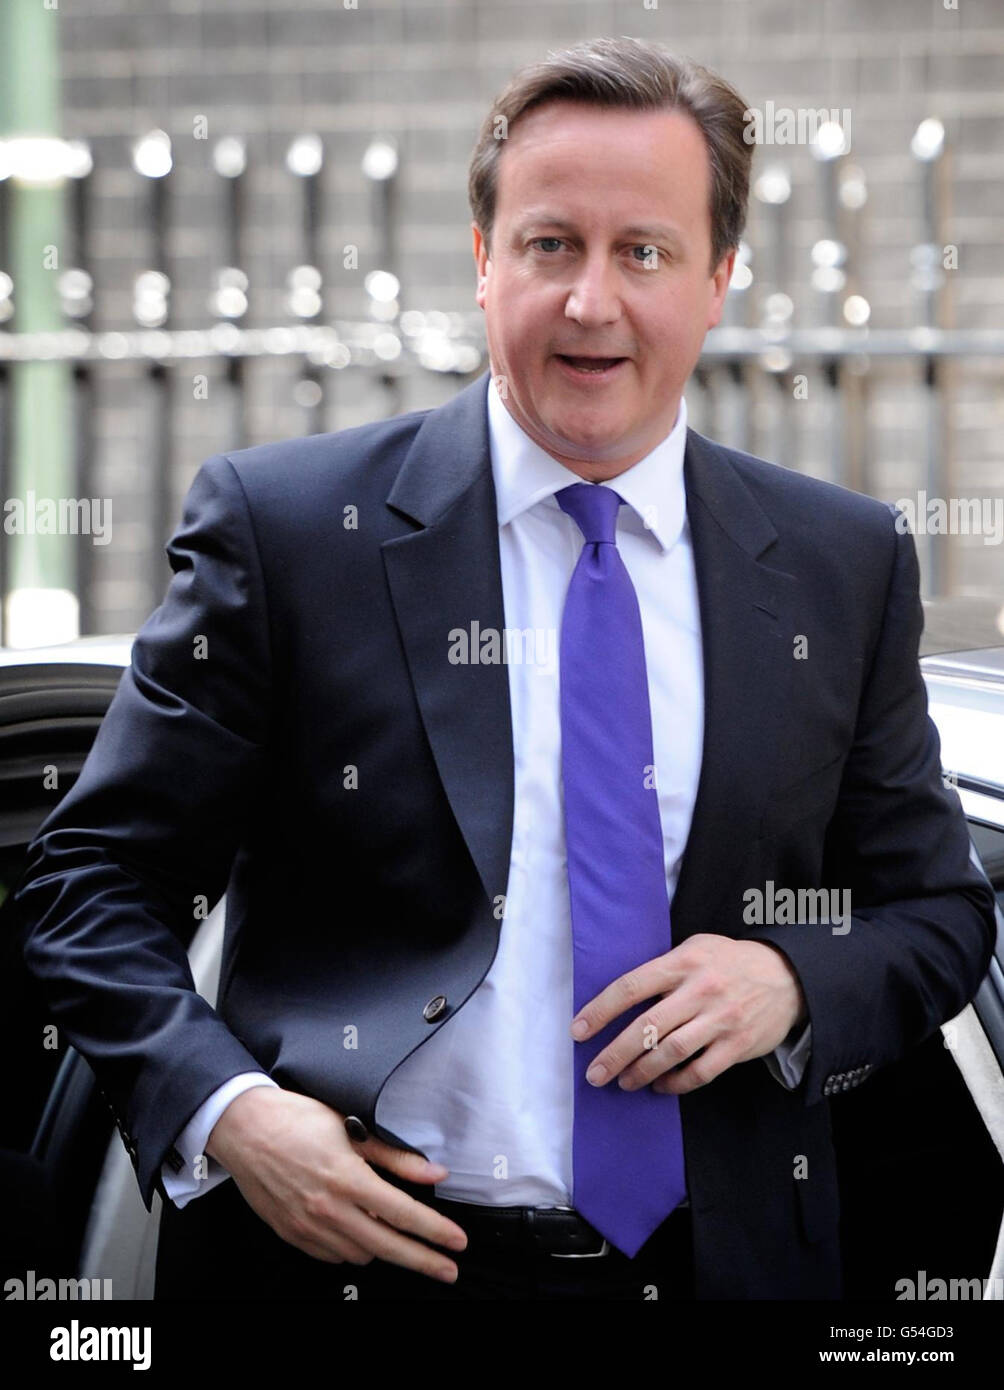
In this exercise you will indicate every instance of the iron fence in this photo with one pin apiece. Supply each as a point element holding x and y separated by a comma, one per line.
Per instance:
<point>774,330</point>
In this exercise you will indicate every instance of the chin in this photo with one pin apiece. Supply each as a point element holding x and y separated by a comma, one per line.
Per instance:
<point>604,436</point>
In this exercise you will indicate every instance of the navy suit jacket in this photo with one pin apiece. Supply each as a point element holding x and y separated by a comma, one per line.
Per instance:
<point>291,729</point>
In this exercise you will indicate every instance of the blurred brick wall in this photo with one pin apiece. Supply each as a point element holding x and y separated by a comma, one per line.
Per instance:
<point>425,74</point>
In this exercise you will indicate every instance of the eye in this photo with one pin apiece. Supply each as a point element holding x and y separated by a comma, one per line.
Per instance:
<point>541,239</point>
<point>649,251</point>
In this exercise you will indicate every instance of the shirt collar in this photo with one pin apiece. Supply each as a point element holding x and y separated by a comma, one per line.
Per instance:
<point>526,474</point>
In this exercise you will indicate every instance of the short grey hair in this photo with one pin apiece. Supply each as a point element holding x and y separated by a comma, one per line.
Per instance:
<point>626,72</point>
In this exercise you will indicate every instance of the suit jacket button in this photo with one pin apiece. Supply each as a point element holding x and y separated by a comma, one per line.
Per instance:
<point>434,1008</point>
<point>355,1129</point>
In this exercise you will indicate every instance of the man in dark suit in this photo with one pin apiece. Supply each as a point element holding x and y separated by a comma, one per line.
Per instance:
<point>319,718</point>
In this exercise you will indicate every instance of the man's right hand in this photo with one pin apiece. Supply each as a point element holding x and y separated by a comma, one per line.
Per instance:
<point>299,1170</point>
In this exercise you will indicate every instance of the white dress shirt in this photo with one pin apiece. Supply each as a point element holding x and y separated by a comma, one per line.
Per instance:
<point>490,1093</point>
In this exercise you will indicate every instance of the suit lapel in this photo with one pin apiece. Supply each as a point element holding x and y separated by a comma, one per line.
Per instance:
<point>747,623</point>
<point>445,578</point>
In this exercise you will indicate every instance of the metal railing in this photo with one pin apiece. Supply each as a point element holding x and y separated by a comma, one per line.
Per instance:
<point>758,340</point>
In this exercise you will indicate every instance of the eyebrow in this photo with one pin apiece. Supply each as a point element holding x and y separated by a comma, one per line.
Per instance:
<point>653,231</point>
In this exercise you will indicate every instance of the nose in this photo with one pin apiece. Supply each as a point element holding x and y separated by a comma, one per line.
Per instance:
<point>593,299</point>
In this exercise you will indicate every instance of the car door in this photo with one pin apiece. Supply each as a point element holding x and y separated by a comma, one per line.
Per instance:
<point>921,1146</point>
<point>54,1129</point>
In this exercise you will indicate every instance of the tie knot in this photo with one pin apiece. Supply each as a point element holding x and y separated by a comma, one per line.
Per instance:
<point>593,508</point>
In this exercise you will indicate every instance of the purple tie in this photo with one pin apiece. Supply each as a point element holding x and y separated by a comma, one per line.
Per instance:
<point>627,1149</point>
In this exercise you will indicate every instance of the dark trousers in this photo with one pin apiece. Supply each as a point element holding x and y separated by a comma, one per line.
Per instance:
<point>217,1247</point>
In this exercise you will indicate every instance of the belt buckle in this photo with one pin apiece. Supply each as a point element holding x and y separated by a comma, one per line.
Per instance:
<point>580,1254</point>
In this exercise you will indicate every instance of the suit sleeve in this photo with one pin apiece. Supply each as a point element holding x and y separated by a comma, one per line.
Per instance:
<point>109,895</point>
<point>922,925</point>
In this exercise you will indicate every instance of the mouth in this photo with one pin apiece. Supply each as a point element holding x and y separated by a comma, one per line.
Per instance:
<point>591,368</point>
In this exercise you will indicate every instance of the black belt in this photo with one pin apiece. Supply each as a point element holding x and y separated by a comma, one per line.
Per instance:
<point>557,1231</point>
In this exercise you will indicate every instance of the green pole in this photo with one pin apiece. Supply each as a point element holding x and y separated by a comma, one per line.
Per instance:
<point>41,571</point>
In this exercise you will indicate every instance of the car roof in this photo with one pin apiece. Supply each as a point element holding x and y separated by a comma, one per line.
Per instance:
<point>982,663</point>
<point>110,650</point>
<point>965,693</point>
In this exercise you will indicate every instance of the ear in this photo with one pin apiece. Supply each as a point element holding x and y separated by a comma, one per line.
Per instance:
<point>481,260</point>
<point>720,286</point>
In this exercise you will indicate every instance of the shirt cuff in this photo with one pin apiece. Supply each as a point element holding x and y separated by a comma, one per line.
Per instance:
<point>198,1172</point>
<point>789,1059</point>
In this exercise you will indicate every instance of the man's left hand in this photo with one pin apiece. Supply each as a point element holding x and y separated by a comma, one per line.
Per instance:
<point>725,999</point>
